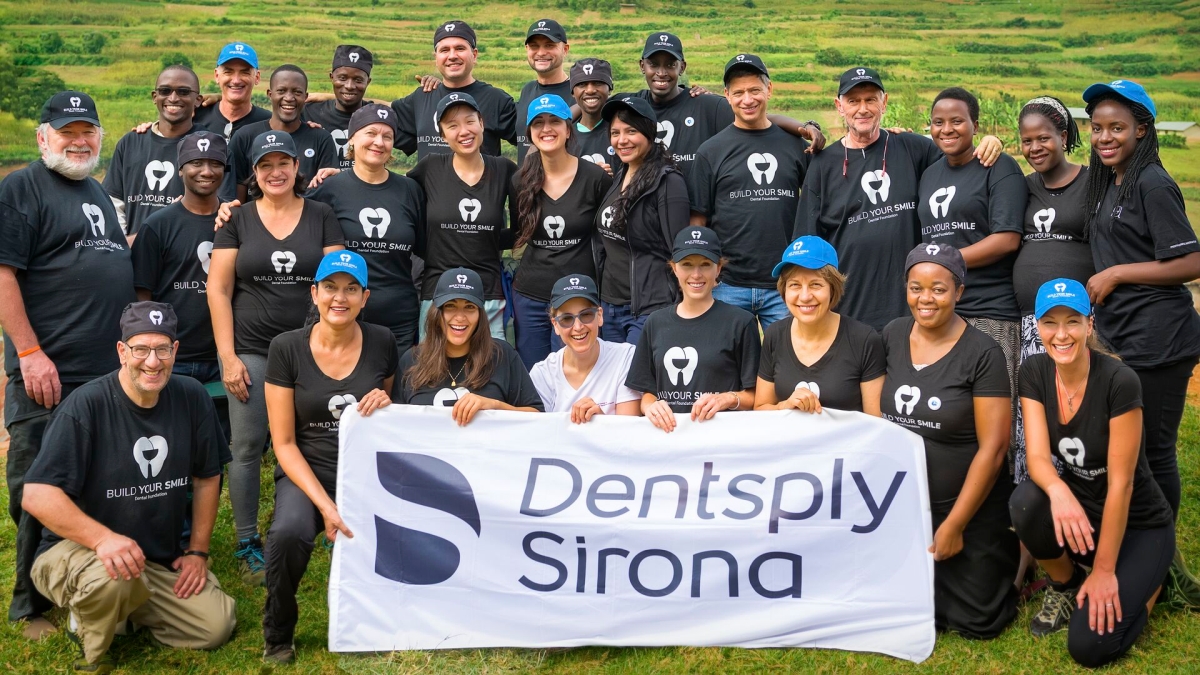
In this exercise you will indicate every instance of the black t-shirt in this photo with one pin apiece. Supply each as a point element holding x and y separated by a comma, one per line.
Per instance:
<point>319,400</point>
<point>937,402</point>
<point>509,382</point>
<point>1081,445</point>
<point>595,145</point>
<point>1054,244</point>
<point>1148,326</point>
<point>385,223</point>
<point>336,122</point>
<point>271,292</point>
<point>972,202</point>
<point>618,266</point>
<point>418,133</point>
<point>856,356</point>
<point>746,182</point>
<point>170,259</point>
<point>465,225</point>
<point>210,118</point>
<point>869,216</point>
<point>131,468</point>
<point>145,175</point>
<point>562,244</point>
<point>316,147</point>
<point>73,269</point>
<point>686,121</point>
<point>680,360</point>
<point>531,91</point>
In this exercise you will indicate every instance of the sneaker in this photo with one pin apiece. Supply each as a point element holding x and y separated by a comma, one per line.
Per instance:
<point>1181,590</point>
<point>81,664</point>
<point>252,565</point>
<point>1055,613</point>
<point>280,653</point>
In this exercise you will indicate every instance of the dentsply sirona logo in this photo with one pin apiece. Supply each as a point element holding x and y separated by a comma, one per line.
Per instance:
<point>906,399</point>
<point>150,453</point>
<point>353,57</point>
<point>1071,450</point>
<point>96,218</point>
<point>876,195</point>
<point>155,317</point>
<point>372,229</point>
<point>555,225</point>
<point>203,144</point>
<point>410,556</point>
<point>1060,287</point>
<point>158,174</point>
<point>469,209</point>
<point>283,261</point>
<point>756,161</point>
<point>939,201</point>
<point>1042,220</point>
<point>690,360</point>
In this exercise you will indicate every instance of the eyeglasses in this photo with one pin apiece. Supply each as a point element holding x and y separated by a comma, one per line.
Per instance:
<point>586,317</point>
<point>141,352</point>
<point>167,91</point>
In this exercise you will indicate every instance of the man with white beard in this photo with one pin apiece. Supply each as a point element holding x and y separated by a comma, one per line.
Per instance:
<point>65,277</point>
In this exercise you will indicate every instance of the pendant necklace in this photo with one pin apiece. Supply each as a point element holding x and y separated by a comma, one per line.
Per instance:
<point>454,378</point>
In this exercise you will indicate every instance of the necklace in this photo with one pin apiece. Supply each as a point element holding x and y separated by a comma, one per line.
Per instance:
<point>453,377</point>
<point>1063,388</point>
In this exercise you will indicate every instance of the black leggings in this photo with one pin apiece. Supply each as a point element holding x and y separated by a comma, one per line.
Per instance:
<point>1142,565</point>
<point>288,548</point>
<point>1164,395</point>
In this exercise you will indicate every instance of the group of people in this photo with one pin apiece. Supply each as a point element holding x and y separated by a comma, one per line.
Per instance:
<point>680,253</point>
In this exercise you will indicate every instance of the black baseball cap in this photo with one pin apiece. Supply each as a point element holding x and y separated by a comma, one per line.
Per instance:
<point>696,241</point>
<point>449,101</point>
<point>637,104</point>
<point>372,113</point>
<point>458,29</point>
<point>148,317</point>
<point>943,254</point>
<point>548,28</point>
<point>352,56</point>
<point>272,141</point>
<point>202,145</point>
<point>856,76</point>
<point>745,63</point>
<point>69,106</point>
<point>574,286</point>
<point>591,70</point>
<point>663,42</point>
<point>459,283</point>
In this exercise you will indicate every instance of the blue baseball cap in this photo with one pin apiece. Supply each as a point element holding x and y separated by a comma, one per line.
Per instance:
<point>1126,89</point>
<point>809,252</point>
<point>238,50</point>
<point>551,104</point>
<point>1062,293</point>
<point>342,261</point>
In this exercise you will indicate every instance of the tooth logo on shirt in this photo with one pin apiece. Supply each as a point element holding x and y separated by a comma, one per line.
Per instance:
<point>338,402</point>
<point>606,217</point>
<point>158,174</point>
<point>554,226</point>
<point>587,68</point>
<point>446,396</point>
<point>204,253</point>
<point>1042,220</point>
<point>1071,450</point>
<point>96,218</point>
<point>939,201</point>
<point>155,317</point>
<point>906,399</point>
<point>353,57</point>
<point>667,129</point>
<point>756,161</point>
<point>469,209</point>
<point>339,140</point>
<point>811,386</point>
<point>595,158</point>
<point>150,453</point>
<point>283,261</point>
<point>870,179</point>
<point>690,358</point>
<point>203,144</point>
<point>377,229</point>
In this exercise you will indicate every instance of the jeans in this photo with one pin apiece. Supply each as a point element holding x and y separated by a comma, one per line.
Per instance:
<point>535,336</point>
<point>25,441</point>
<point>620,325</point>
<point>493,308</point>
<point>1164,395</point>
<point>764,303</point>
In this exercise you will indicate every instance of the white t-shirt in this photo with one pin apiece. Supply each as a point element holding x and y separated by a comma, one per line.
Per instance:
<point>605,384</point>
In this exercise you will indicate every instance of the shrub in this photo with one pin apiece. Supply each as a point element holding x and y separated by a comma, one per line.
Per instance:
<point>50,43</point>
<point>176,58</point>
<point>23,91</point>
<point>93,42</point>
<point>1172,141</point>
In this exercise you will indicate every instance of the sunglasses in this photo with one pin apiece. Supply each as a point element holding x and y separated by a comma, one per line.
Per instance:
<point>586,317</point>
<point>167,91</point>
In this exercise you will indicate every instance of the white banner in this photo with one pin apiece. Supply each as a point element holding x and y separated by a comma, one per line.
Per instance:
<point>766,529</point>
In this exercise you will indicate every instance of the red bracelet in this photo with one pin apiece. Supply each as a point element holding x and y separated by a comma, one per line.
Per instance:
<point>27,352</point>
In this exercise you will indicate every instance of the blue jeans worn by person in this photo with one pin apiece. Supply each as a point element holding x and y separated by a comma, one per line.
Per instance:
<point>620,325</point>
<point>535,336</point>
<point>764,303</point>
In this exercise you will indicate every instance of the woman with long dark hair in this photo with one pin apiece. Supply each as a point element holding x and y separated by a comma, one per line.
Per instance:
<point>458,363</point>
<point>557,199</point>
<point>646,207</point>
<point>259,276</point>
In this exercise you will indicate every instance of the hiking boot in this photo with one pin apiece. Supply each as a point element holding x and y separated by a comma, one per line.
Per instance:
<point>1056,611</point>
<point>81,665</point>
<point>280,653</point>
<point>1181,590</point>
<point>252,565</point>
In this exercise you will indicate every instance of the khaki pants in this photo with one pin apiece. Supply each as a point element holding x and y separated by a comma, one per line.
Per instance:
<point>73,577</point>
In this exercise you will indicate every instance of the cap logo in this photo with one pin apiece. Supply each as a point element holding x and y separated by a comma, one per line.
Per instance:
<point>741,57</point>
<point>449,28</point>
<point>75,101</point>
<point>271,138</point>
<point>203,144</point>
<point>861,71</point>
<point>156,317</point>
<point>239,48</point>
<point>345,257</point>
<point>1116,83</point>
<point>541,24</point>
<point>545,100</point>
<point>574,281</point>
<point>453,97</point>
<point>587,68</point>
<point>933,249</point>
<point>626,100</point>
<point>1060,287</point>
<point>462,278</point>
<point>798,247</point>
<point>353,57</point>
<point>664,38</point>
<point>695,234</point>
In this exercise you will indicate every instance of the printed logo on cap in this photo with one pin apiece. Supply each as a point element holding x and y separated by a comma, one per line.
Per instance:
<point>158,174</point>
<point>239,48</point>
<point>449,28</point>
<point>541,24</point>
<point>383,113</point>
<point>756,162</point>
<point>877,195</point>
<point>339,402</point>
<point>95,218</point>
<point>861,71</point>
<point>933,249</point>
<point>664,39</point>
<point>1072,451</point>
<point>1060,287</point>
<point>283,261</point>
<point>798,247</point>
<point>204,253</point>
<point>410,556</point>
<point>939,201</point>
<point>811,386</point>
<point>1043,219</point>
<point>203,144</point>
<point>629,100</point>
<point>695,234</point>
<point>374,222</point>
<point>271,138</point>
<point>462,278</point>
<point>469,209</point>
<point>76,101</point>
<point>345,257</point>
<point>353,57</point>
<point>690,359</point>
<point>906,399</point>
<point>555,225</point>
<point>453,97</point>
<point>155,317</point>
<point>667,129</point>
<point>588,68</point>
<point>574,281</point>
<point>545,100</point>
<point>150,454</point>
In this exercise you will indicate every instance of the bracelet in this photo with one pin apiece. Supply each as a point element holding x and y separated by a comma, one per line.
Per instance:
<point>737,401</point>
<point>811,123</point>
<point>27,352</point>
<point>201,554</point>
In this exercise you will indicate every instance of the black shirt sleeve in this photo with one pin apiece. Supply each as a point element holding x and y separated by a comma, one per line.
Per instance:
<point>772,341</point>
<point>229,236</point>
<point>65,455</point>
<point>991,374</point>
<point>406,123</point>
<point>1124,391</point>
<point>146,253</point>
<point>748,359</point>
<point>401,392</point>
<point>281,362</point>
<point>874,358</point>
<point>327,156</point>
<point>16,230</point>
<point>116,171</point>
<point>642,375</point>
<point>1168,223</point>
<point>808,209</point>
<point>332,234</point>
<point>675,213</point>
<point>507,124</point>
<point>1033,378</point>
<point>1007,196</point>
<point>700,185</point>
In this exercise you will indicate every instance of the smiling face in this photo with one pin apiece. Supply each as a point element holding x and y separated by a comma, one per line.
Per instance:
<point>807,294</point>
<point>72,150</point>
<point>454,59</point>
<point>581,336</point>
<point>276,174</point>
<point>372,145</point>
<point>862,109</point>
<point>237,80</point>
<point>339,299</point>
<point>591,96</point>
<point>1115,133</point>
<point>460,318</point>
<point>697,276</point>
<point>175,107</point>
<point>748,95</point>
<point>349,85</point>
<point>148,375</point>
<point>202,177</point>
<point>951,126</point>
<point>548,133</point>
<point>932,294</point>
<point>462,127</point>
<point>545,55</point>
<point>631,145</point>
<point>1064,333</point>
<point>289,91</point>
<point>662,72</point>
<point>1043,146</point>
